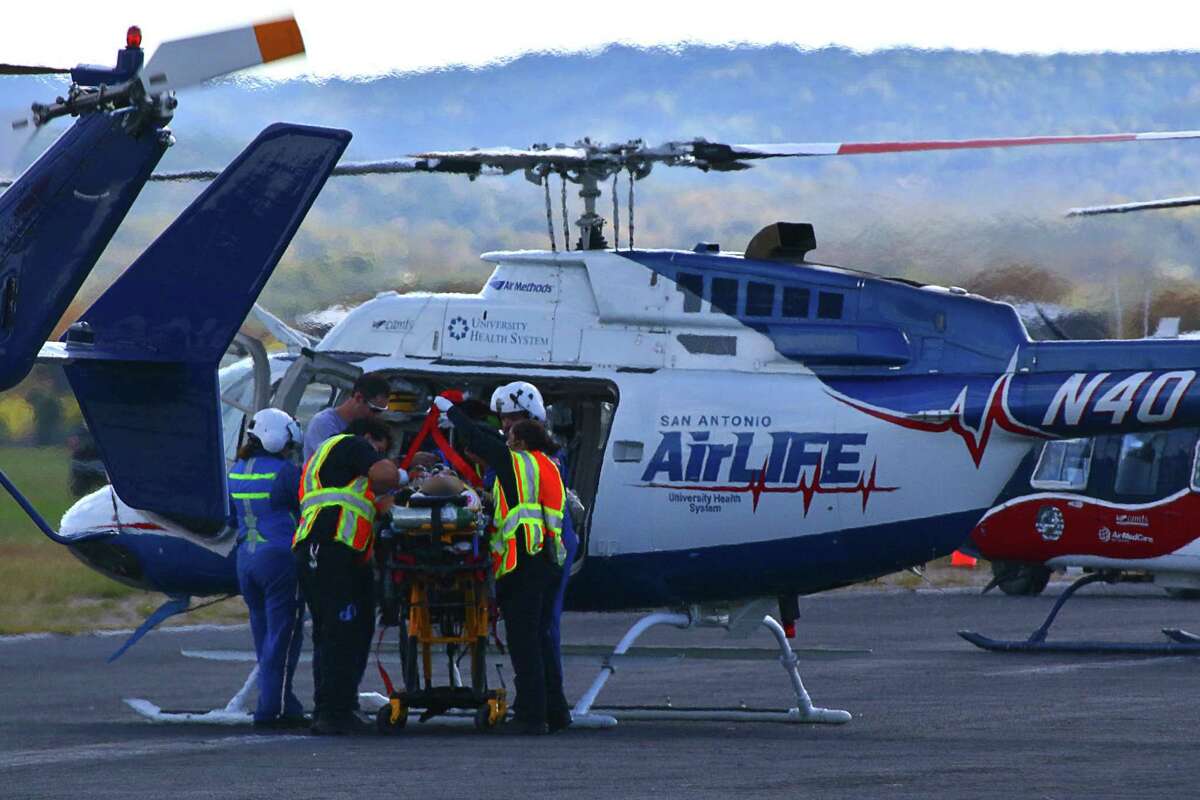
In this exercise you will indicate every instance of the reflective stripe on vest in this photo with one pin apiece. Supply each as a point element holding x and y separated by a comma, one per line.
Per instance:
<point>356,515</point>
<point>245,481</point>
<point>538,510</point>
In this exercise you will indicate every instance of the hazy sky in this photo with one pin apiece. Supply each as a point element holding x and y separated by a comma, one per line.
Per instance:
<point>359,38</point>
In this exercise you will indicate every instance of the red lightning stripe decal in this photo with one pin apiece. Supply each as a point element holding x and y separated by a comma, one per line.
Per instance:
<point>757,487</point>
<point>975,440</point>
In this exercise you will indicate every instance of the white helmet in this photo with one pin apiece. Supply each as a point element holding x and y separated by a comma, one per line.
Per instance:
<point>519,396</point>
<point>275,429</point>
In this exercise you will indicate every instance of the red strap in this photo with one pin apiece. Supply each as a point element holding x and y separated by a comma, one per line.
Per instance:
<point>383,673</point>
<point>430,428</point>
<point>430,424</point>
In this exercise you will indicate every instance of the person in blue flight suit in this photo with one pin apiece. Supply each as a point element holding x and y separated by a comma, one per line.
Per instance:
<point>264,486</point>
<point>514,402</point>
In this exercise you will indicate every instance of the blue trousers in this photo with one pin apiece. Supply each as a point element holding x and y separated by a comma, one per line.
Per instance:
<point>267,578</point>
<point>571,543</point>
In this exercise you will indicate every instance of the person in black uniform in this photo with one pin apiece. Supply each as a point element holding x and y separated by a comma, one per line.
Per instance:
<point>525,590</point>
<point>343,483</point>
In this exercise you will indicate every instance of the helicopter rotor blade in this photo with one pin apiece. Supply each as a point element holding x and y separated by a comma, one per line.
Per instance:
<point>1123,208</point>
<point>585,156</point>
<point>393,166</point>
<point>27,69</point>
<point>716,152</point>
<point>186,62</point>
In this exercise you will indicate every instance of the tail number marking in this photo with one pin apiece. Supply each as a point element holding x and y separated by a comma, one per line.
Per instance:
<point>1072,398</point>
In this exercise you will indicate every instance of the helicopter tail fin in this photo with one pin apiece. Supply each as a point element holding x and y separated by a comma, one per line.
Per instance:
<point>143,359</point>
<point>56,220</point>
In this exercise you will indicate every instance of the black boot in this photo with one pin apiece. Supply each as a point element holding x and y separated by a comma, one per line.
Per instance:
<point>343,724</point>
<point>516,727</point>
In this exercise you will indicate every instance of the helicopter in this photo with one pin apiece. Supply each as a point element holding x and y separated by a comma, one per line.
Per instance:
<point>740,424</point>
<point>1116,505</point>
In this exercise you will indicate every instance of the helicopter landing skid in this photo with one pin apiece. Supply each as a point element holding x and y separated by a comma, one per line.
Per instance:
<point>1182,643</point>
<point>235,711</point>
<point>587,715</point>
<point>1181,636</point>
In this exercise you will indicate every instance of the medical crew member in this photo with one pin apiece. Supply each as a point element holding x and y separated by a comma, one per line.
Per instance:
<point>332,547</point>
<point>514,402</point>
<point>367,399</point>
<point>527,562</point>
<point>263,486</point>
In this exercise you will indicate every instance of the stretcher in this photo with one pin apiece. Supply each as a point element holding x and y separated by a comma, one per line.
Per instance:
<point>434,571</point>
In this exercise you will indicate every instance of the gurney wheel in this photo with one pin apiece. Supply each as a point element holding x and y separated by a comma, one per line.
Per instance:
<point>490,714</point>
<point>384,723</point>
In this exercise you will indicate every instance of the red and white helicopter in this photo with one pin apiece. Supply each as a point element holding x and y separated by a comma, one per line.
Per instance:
<point>740,425</point>
<point>1121,507</point>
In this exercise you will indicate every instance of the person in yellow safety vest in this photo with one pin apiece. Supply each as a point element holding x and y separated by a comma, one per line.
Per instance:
<point>341,487</point>
<point>527,561</point>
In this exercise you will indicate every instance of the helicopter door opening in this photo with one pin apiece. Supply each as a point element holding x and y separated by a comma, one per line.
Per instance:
<point>245,388</point>
<point>582,423</point>
<point>315,382</point>
<point>580,415</point>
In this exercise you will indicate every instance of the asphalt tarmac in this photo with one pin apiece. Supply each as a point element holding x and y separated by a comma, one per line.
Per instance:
<point>933,716</point>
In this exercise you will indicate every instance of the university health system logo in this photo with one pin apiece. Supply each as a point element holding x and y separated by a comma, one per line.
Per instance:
<point>457,329</point>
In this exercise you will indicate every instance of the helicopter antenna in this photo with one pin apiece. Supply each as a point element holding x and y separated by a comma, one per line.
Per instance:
<point>549,213</point>
<point>616,214</point>
<point>566,222</point>
<point>631,179</point>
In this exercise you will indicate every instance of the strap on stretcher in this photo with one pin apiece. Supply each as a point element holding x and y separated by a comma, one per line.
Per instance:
<point>430,428</point>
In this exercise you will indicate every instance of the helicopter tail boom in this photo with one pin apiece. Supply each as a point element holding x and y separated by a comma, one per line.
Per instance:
<point>142,359</point>
<point>1086,388</point>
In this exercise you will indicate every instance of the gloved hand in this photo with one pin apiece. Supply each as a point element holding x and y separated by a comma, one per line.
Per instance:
<point>442,404</point>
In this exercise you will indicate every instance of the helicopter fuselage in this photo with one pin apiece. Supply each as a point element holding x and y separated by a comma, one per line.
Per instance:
<point>737,427</point>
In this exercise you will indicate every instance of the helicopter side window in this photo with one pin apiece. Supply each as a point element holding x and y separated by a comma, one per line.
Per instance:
<point>725,295</point>
<point>1195,483</point>
<point>1139,462</point>
<point>795,302</point>
<point>760,299</point>
<point>829,305</point>
<point>692,287</point>
<point>1063,464</point>
<point>317,397</point>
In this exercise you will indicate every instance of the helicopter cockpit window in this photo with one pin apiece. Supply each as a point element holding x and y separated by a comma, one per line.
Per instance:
<point>1063,464</point>
<point>829,305</point>
<point>1139,462</point>
<point>1196,469</point>
<point>725,295</point>
<point>760,299</point>
<point>692,287</point>
<point>795,301</point>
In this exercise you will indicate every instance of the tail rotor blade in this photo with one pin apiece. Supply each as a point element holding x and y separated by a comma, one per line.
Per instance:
<point>17,141</point>
<point>187,62</point>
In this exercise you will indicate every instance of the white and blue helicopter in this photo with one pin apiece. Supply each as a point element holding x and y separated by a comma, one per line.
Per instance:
<point>740,425</point>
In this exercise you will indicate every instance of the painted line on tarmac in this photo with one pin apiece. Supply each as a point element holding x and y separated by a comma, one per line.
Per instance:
<point>19,638</point>
<point>237,656</point>
<point>115,750</point>
<point>24,637</point>
<point>243,626</point>
<point>1059,669</point>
